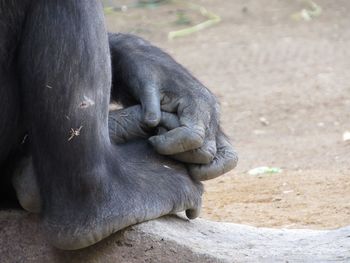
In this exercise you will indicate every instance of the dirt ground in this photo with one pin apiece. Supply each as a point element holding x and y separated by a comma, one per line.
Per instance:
<point>261,63</point>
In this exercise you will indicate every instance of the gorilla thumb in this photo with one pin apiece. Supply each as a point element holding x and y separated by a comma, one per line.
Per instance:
<point>151,108</point>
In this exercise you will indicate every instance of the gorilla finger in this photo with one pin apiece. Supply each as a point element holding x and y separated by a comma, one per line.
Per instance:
<point>150,102</point>
<point>178,140</point>
<point>225,160</point>
<point>189,136</point>
<point>169,121</point>
<point>202,155</point>
<point>126,124</point>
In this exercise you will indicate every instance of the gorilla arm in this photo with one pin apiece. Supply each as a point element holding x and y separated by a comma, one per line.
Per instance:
<point>144,74</point>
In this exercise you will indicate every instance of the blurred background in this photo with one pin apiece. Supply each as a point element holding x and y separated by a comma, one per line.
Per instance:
<point>281,71</point>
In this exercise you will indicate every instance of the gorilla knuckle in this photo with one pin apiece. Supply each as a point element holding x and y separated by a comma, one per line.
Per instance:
<point>204,172</point>
<point>195,137</point>
<point>230,160</point>
<point>207,157</point>
<point>225,161</point>
<point>208,153</point>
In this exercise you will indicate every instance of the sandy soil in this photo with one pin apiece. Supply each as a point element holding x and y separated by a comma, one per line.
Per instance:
<point>296,74</point>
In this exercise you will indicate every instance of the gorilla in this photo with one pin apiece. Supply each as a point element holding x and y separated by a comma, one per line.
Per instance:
<point>87,171</point>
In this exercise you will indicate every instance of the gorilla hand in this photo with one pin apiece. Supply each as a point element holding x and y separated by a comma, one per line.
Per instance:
<point>225,158</point>
<point>144,74</point>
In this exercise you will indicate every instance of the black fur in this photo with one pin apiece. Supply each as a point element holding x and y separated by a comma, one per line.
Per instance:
<point>55,78</point>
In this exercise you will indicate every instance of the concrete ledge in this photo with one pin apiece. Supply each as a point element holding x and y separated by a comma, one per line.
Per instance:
<point>174,239</point>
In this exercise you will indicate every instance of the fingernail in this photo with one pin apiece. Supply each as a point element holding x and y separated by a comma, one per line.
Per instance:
<point>152,119</point>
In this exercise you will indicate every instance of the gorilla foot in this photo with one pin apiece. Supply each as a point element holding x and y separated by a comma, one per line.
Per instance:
<point>143,186</point>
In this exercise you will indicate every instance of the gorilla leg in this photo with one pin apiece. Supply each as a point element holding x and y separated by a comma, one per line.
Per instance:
<point>10,27</point>
<point>89,187</point>
<point>11,130</point>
